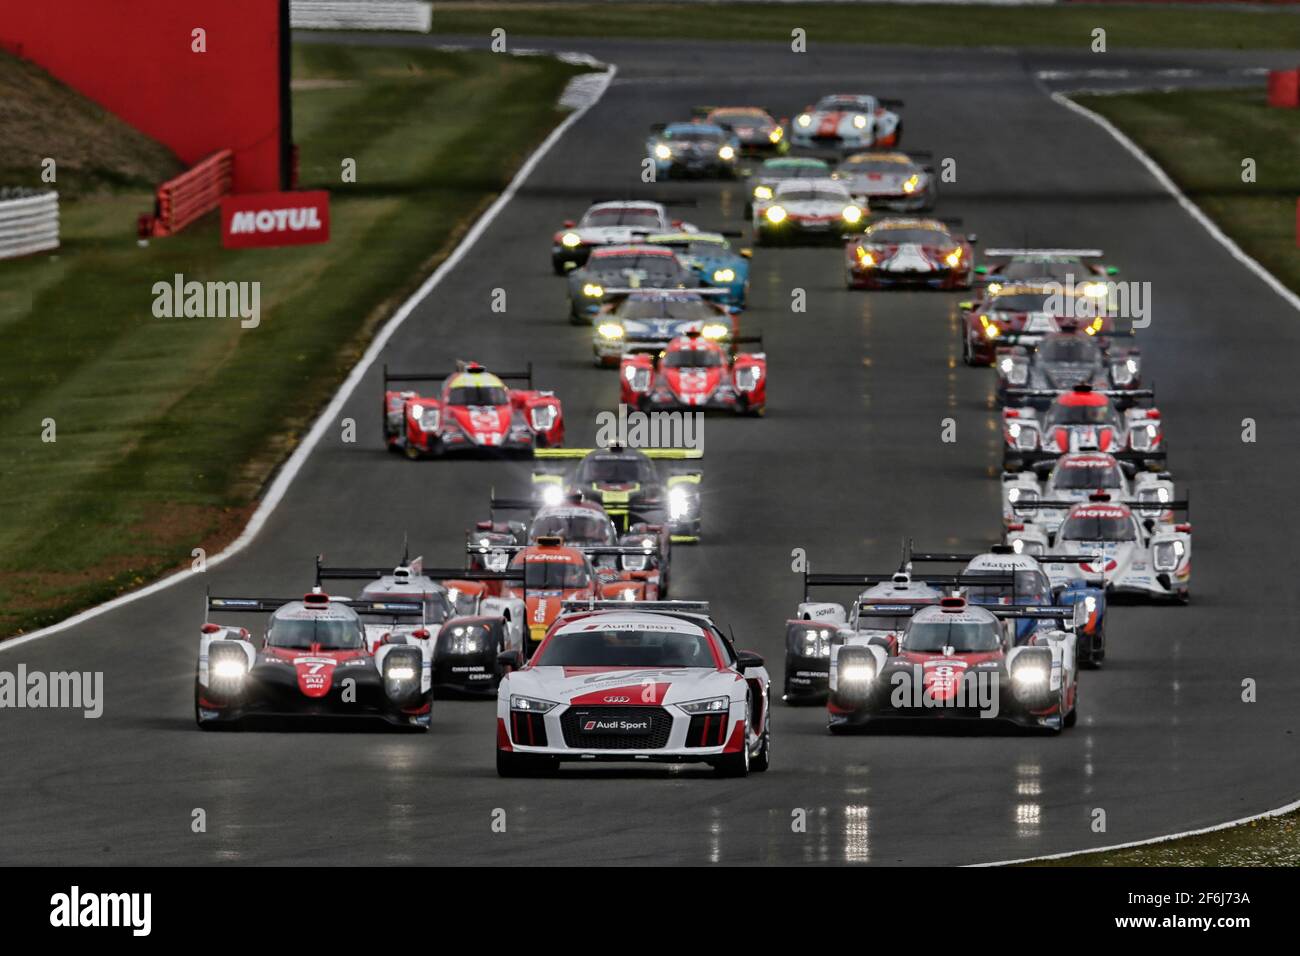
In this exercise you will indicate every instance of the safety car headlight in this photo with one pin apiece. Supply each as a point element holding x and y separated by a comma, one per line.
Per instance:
<point>543,417</point>
<point>724,275</point>
<point>592,290</point>
<point>775,214</point>
<point>851,215</point>
<point>681,502</point>
<point>747,378</point>
<point>531,705</point>
<point>910,184</point>
<point>762,192</point>
<point>859,673</point>
<point>663,152</point>
<point>804,120</point>
<point>714,331</point>
<point>610,330</point>
<point>570,240</point>
<point>859,122</point>
<point>726,153</point>
<point>712,705</point>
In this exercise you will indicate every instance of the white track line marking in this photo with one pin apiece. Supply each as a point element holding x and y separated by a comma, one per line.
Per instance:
<point>328,418</point>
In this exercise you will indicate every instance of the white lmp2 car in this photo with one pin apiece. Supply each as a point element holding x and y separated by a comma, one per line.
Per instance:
<point>1074,479</point>
<point>650,681</point>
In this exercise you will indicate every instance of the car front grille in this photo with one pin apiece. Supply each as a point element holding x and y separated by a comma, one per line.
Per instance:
<point>528,730</point>
<point>661,725</point>
<point>708,730</point>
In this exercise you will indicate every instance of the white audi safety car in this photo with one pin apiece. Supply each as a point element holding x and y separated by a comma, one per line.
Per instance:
<point>654,681</point>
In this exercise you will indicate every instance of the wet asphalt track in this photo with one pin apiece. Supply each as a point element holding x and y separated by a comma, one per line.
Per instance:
<point>847,463</point>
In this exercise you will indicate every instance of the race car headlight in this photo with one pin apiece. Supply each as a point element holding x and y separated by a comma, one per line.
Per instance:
<point>1143,437</point>
<point>775,214</point>
<point>859,122</point>
<point>713,705</point>
<point>1031,674</point>
<point>638,377</point>
<point>497,560</point>
<point>227,666</point>
<point>762,192</point>
<point>426,418</point>
<point>910,184</point>
<point>747,378</point>
<point>681,502</point>
<point>1167,555</point>
<point>610,330</point>
<point>466,640</point>
<point>991,330</point>
<point>816,642</point>
<point>552,494</point>
<point>1121,373</point>
<point>663,152</point>
<point>852,215</point>
<point>628,594</point>
<point>1024,438</point>
<point>857,673</point>
<point>726,153</point>
<point>1090,604</point>
<point>571,240</point>
<point>634,562</point>
<point>724,275</point>
<point>1017,373</point>
<point>1021,495</point>
<point>593,291</point>
<point>776,135</point>
<point>994,288</point>
<point>804,120</point>
<point>953,258</point>
<point>865,258</point>
<point>714,331</point>
<point>542,417</point>
<point>402,672</point>
<point>1094,290</point>
<point>531,705</point>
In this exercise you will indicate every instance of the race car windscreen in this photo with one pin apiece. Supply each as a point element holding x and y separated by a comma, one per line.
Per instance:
<point>928,637</point>
<point>693,358</point>
<point>867,164</point>
<point>333,634</point>
<point>639,218</point>
<point>883,622</point>
<point>617,470</point>
<point>574,529</point>
<point>898,237</point>
<point>681,310</point>
<point>831,104</point>
<point>1070,349</point>
<point>1086,527</point>
<point>1079,477</point>
<point>1080,415</point>
<point>652,270</point>
<point>812,194</point>
<point>618,647</point>
<point>693,136</point>
<point>478,395</point>
<point>741,118</point>
<point>1058,269</point>
<point>437,607</point>
<point>1021,302</point>
<point>1030,587</point>
<point>820,171</point>
<point>555,575</point>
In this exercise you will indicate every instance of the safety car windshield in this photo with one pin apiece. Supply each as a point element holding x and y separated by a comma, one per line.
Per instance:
<point>627,648</point>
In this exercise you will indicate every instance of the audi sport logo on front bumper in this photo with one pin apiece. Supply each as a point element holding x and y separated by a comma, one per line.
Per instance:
<point>617,725</point>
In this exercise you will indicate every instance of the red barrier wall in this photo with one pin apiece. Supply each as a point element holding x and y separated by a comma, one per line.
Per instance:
<point>135,58</point>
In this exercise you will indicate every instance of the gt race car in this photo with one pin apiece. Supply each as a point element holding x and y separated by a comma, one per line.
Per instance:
<point>313,661</point>
<point>1130,554</point>
<point>754,128</point>
<point>649,319</point>
<point>1082,419</point>
<point>627,682</point>
<point>762,182</point>
<point>911,253</point>
<point>957,661</point>
<point>1078,266</point>
<point>615,271</point>
<point>1022,312</point>
<point>807,210</point>
<point>1074,478</point>
<point>696,149</point>
<point>1062,360</point>
<point>474,412</point>
<point>628,485</point>
<point>848,122</point>
<point>710,256</point>
<point>468,626</point>
<point>615,222</point>
<point>889,180</point>
<point>697,373</point>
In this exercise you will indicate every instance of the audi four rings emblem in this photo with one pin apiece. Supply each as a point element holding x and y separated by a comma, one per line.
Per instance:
<point>617,700</point>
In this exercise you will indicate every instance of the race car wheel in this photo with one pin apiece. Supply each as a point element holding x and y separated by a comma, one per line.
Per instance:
<point>763,759</point>
<point>524,765</point>
<point>967,356</point>
<point>1183,597</point>
<point>1072,717</point>
<point>736,765</point>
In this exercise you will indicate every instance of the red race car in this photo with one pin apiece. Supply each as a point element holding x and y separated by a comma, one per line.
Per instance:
<point>697,373</point>
<point>474,411</point>
<point>910,253</point>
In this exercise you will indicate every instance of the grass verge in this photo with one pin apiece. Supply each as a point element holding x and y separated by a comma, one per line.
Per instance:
<point>1127,27</point>
<point>166,429</point>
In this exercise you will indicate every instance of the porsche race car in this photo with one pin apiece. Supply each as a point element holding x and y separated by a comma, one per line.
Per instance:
<point>628,682</point>
<point>910,253</point>
<point>848,122</point>
<point>762,182</point>
<point>807,210</point>
<point>754,128</point>
<point>697,149</point>
<point>697,373</point>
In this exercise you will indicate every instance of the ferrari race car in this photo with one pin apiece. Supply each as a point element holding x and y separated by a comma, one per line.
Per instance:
<point>474,412</point>
<point>1062,360</point>
<point>697,373</point>
<point>314,661</point>
<point>1082,419</point>
<point>754,128</point>
<point>1022,313</point>
<point>468,626</point>
<point>1004,266</point>
<point>910,253</point>
<point>762,182</point>
<point>649,319</point>
<point>889,180</point>
<point>807,209</point>
<point>848,122</point>
<point>609,223</point>
<point>640,556</point>
<point>1073,479</point>
<point>693,149</point>
<point>1131,554</point>
<point>626,483</point>
<point>627,682</point>
<point>710,256</point>
<point>614,271</point>
<point>957,661</point>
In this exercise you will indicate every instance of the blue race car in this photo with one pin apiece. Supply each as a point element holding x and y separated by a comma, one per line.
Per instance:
<point>693,149</point>
<point>710,256</point>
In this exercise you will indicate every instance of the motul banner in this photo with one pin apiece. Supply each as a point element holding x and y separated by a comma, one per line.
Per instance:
<point>275,219</point>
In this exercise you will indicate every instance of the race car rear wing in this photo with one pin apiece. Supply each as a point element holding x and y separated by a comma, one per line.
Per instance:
<point>241,605</point>
<point>704,291</point>
<point>1136,504</point>
<point>1010,253</point>
<point>525,376</point>
<point>1012,391</point>
<point>1071,615</point>
<point>615,549</point>
<point>667,454</point>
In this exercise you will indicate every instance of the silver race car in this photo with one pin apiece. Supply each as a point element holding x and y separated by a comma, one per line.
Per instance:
<point>807,209</point>
<point>1074,478</point>
<point>848,122</point>
<point>889,180</point>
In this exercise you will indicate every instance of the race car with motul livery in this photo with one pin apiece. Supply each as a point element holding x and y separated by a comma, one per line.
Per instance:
<point>1062,360</point>
<point>696,373</point>
<point>1074,478</point>
<point>474,412</point>
<point>622,682</point>
<point>914,253</point>
<point>1083,419</point>
<point>756,132</point>
<point>616,271</point>
<point>648,319</point>
<point>889,180</point>
<point>848,122</point>
<point>313,661</point>
<point>958,661</point>
<point>468,626</point>
<point>628,485</point>
<point>806,210</point>
<point>1131,554</point>
<point>616,222</point>
<point>1023,313</point>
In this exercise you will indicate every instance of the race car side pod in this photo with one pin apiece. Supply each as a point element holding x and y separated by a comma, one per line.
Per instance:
<point>525,376</point>
<point>829,579</point>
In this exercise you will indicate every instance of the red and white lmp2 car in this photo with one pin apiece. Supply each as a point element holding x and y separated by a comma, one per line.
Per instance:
<point>697,373</point>
<point>473,412</point>
<point>652,681</point>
